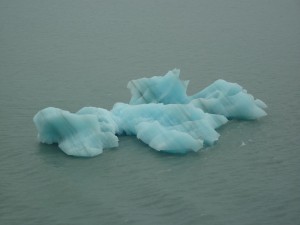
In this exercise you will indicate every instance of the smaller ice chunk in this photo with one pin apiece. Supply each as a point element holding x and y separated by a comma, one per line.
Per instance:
<point>230,100</point>
<point>77,135</point>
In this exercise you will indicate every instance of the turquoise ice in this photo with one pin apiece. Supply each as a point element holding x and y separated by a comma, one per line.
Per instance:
<point>160,114</point>
<point>221,97</point>
<point>76,134</point>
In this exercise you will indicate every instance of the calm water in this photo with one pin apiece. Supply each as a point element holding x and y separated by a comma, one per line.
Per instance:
<point>71,54</point>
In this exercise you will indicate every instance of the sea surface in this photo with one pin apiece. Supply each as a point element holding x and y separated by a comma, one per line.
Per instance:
<point>70,54</point>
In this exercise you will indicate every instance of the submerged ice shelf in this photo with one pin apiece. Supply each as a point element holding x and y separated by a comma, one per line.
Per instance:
<point>160,114</point>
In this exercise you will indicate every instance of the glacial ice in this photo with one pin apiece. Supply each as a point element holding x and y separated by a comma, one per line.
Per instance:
<point>221,97</point>
<point>160,114</point>
<point>76,134</point>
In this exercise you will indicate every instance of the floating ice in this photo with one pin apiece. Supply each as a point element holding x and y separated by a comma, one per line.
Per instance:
<point>76,134</point>
<point>221,97</point>
<point>160,114</point>
<point>174,128</point>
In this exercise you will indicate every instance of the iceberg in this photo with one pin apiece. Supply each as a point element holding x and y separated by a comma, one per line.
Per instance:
<point>159,113</point>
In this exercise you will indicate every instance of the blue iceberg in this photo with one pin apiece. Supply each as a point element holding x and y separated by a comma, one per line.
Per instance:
<point>160,114</point>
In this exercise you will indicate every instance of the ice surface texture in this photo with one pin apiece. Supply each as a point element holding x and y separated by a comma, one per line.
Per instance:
<point>160,114</point>
<point>76,134</point>
<point>221,97</point>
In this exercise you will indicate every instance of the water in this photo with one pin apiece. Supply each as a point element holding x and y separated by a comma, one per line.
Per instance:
<point>71,54</point>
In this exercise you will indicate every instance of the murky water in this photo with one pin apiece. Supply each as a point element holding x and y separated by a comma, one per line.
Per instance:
<point>71,54</point>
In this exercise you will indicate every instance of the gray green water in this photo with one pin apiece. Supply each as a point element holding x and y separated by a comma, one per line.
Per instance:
<point>71,54</point>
